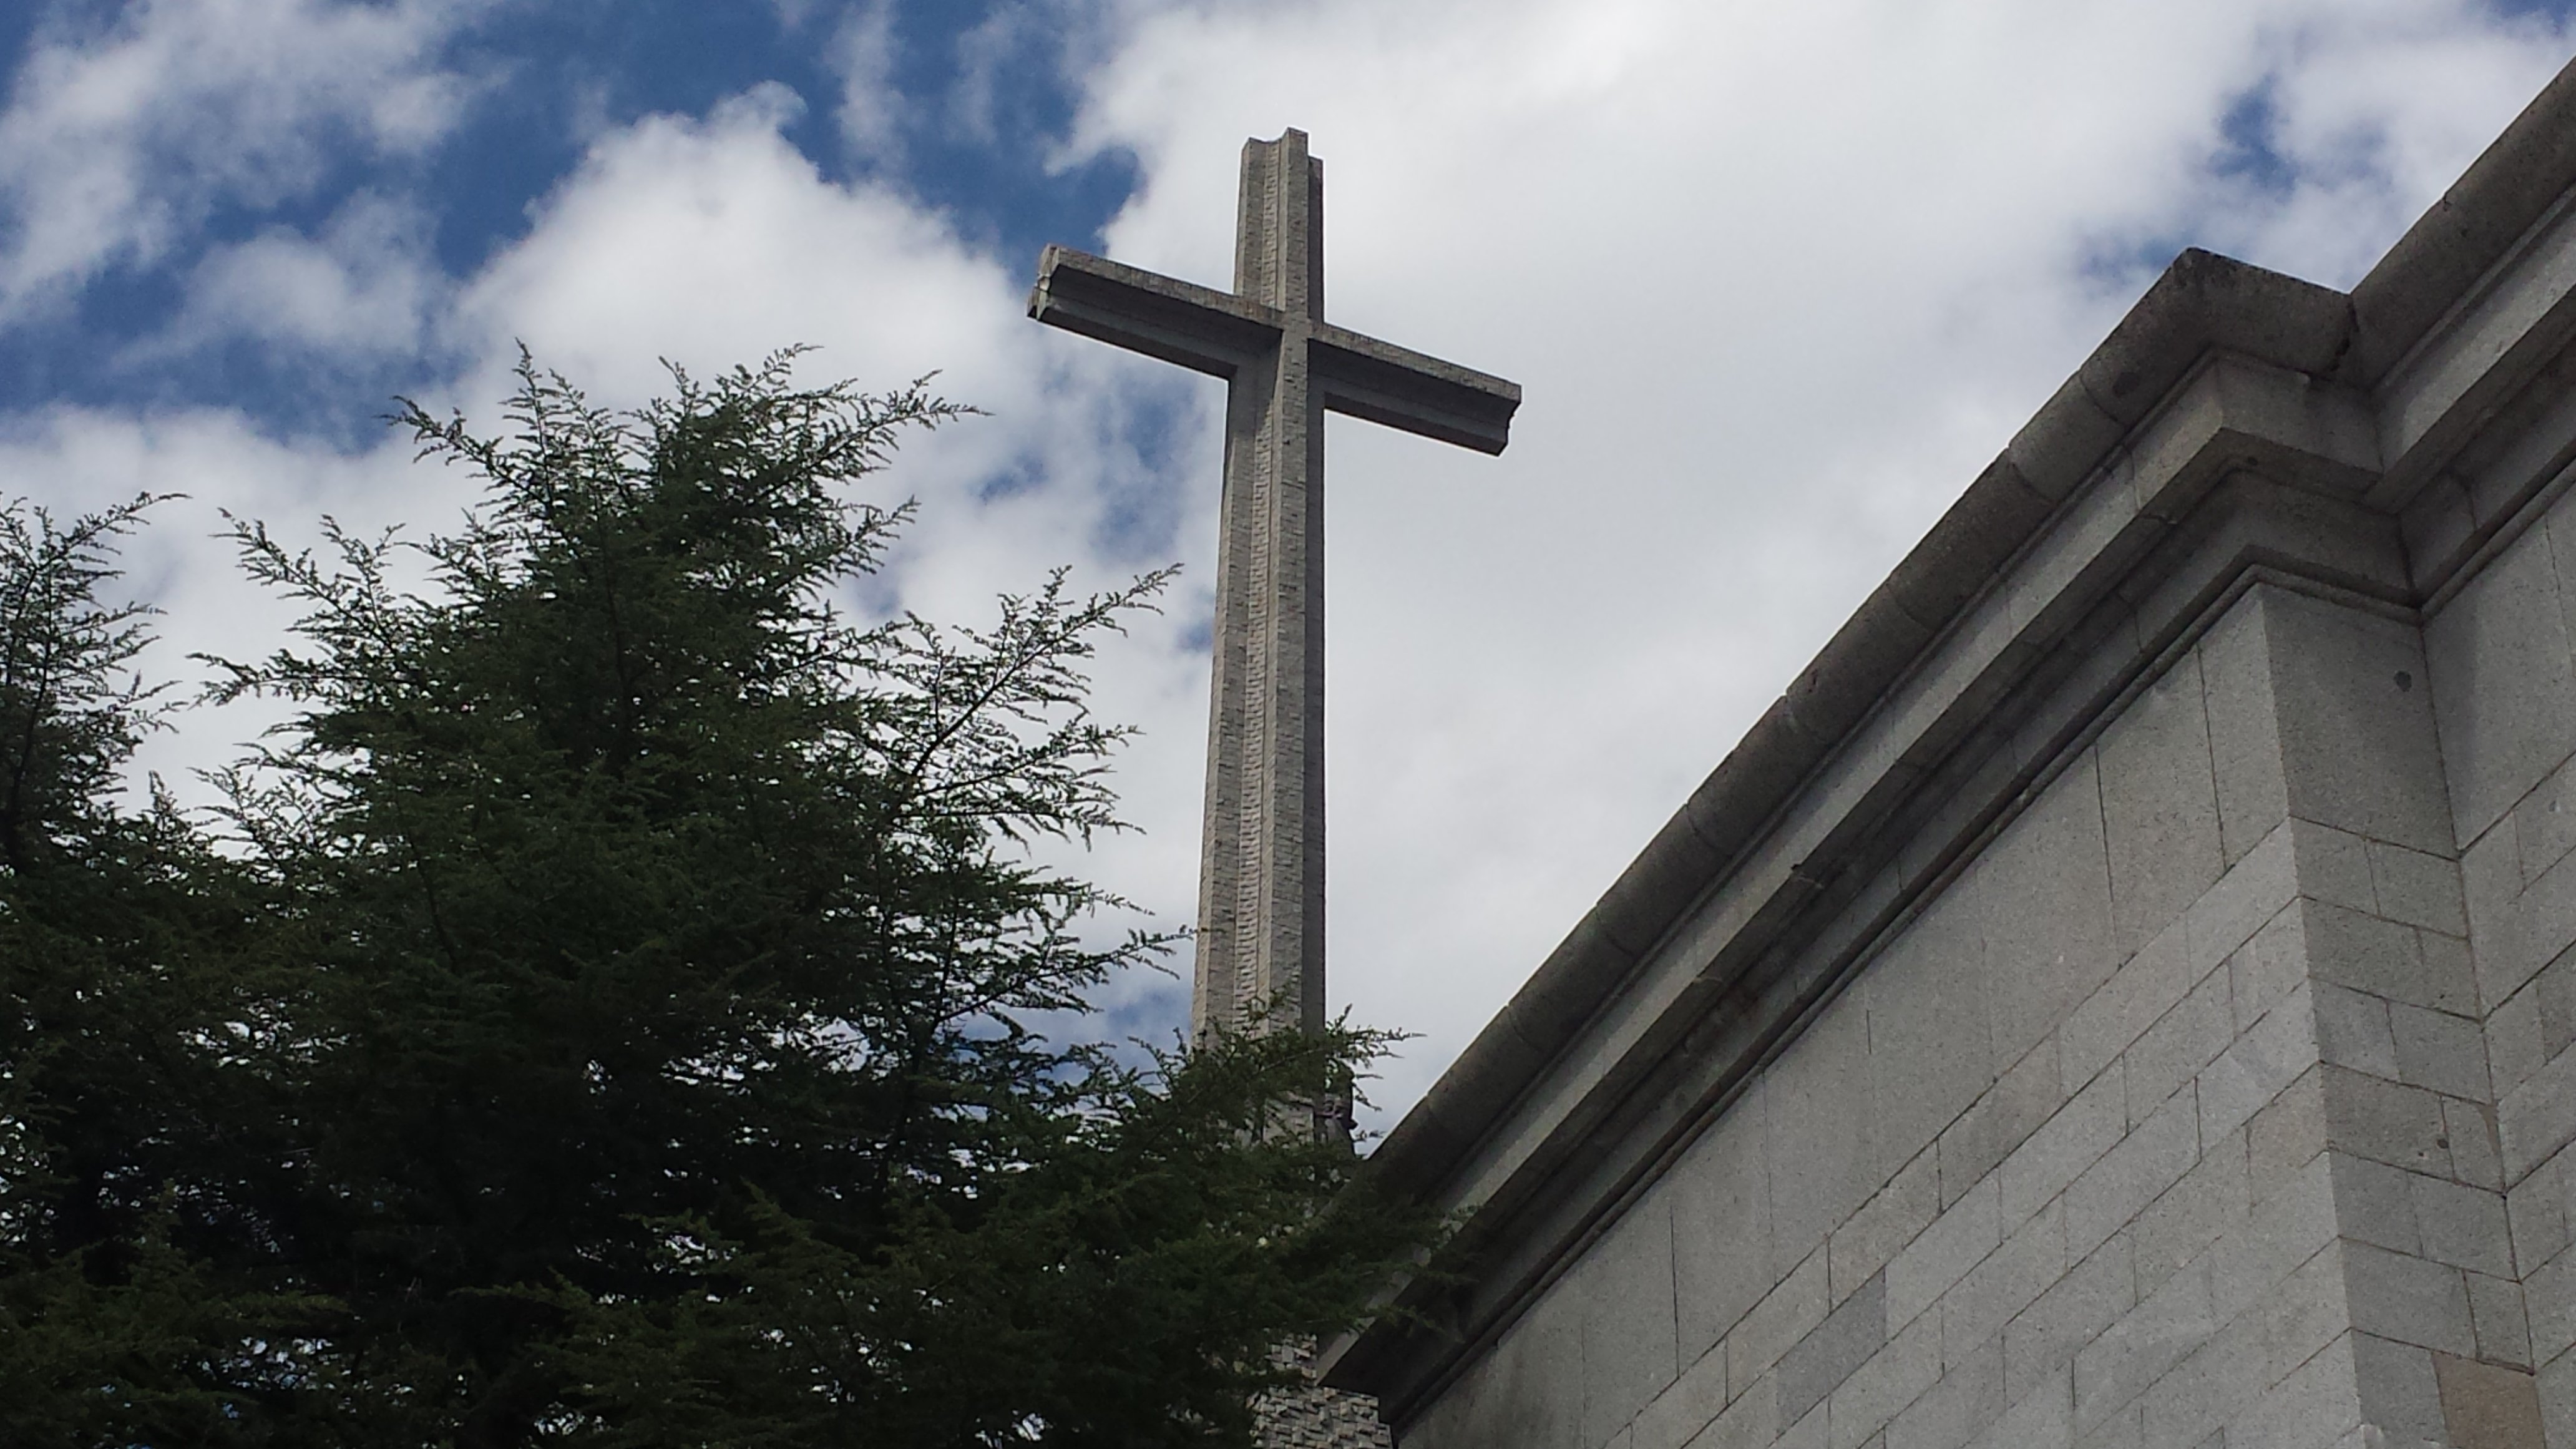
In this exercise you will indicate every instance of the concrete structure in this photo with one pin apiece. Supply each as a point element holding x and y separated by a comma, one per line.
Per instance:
<point>2124,993</point>
<point>1261,871</point>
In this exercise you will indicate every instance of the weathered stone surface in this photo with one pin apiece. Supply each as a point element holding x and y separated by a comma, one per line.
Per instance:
<point>2159,806</point>
<point>2505,689</point>
<point>1626,1286</point>
<point>1721,1210</point>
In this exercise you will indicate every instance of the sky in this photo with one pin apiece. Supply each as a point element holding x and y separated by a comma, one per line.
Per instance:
<point>1777,280</point>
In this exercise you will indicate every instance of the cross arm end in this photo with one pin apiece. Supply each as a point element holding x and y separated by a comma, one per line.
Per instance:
<point>1197,327</point>
<point>1400,388</point>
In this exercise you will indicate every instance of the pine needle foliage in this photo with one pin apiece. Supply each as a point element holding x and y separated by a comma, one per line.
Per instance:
<point>614,1010</point>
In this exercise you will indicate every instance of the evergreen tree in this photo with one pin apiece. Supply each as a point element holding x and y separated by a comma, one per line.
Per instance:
<point>610,1012</point>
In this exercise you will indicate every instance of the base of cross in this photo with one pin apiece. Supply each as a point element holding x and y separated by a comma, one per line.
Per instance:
<point>1311,1416</point>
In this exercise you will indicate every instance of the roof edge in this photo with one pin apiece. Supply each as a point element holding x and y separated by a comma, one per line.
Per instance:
<point>2201,302</point>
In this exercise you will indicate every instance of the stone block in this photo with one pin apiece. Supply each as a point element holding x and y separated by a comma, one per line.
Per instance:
<point>2558,1401</point>
<point>1927,1032</point>
<point>1785,1315</point>
<point>1823,1162</point>
<point>1677,1415</point>
<point>2408,1299</point>
<point>2269,966</point>
<point>2208,1202</point>
<point>2352,1031</point>
<point>2086,1127</point>
<point>2544,823</point>
<point>2159,805</point>
<point>2252,892</point>
<point>2440,526</point>
<point>2549,1305</point>
<point>2317,1405</point>
<point>2133,1174</point>
<point>2043,1338</point>
<point>2047,918</point>
<point>2538,1117</point>
<point>2125,1429</point>
<point>2553,997</point>
<point>2463,1226</point>
<point>1821,1360</point>
<point>2233,1366</point>
<point>2503,1324</point>
<point>1626,1286</point>
<point>2271,1054</point>
<point>1528,1394</point>
<point>2491,883</point>
<point>2485,1406</point>
<point>2440,1052</point>
<point>2186,1406</point>
<point>2375,1203</point>
<point>2023,1098</point>
<point>2389,960</point>
<point>2399,1394</point>
<point>2063,442</point>
<point>2285,1136</point>
<point>2009,1280</point>
<point>1943,1253</point>
<point>1892,1378</point>
<point>2450,971</point>
<point>2295,1319</point>
<point>1968,1396</point>
<point>2386,1122</point>
<point>2244,733</point>
<point>1721,1206</point>
<point>2504,683</point>
<point>1887,1222</point>
<point>2536,1207</point>
<point>2145,987</point>
<point>2537,930</point>
<point>2287,1230</point>
<point>2041,1418</point>
<point>2514,1049</point>
<point>2250,895</point>
<point>2358,743</point>
<point>1751,1422</point>
<point>2334,866</point>
<point>2142,1345</point>
<point>2419,889</point>
<point>2173,1051</point>
<point>1807,1433</point>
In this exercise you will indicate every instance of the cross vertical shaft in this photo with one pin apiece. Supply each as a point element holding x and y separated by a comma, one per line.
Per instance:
<point>1261,867</point>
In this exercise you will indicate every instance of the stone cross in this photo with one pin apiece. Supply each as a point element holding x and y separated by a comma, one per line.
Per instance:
<point>1261,868</point>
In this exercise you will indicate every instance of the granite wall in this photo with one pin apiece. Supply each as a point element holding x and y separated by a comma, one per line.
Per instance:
<point>2504,678</point>
<point>2169,1119</point>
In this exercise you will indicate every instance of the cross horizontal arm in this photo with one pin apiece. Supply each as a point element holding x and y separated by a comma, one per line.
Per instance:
<point>1401,388</point>
<point>1198,327</point>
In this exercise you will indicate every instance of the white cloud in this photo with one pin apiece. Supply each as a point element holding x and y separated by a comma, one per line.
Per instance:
<point>862,53</point>
<point>75,460</point>
<point>117,144</point>
<point>2376,120</point>
<point>367,286</point>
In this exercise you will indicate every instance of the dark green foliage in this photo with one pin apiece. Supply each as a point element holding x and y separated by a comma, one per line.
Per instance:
<point>609,1013</point>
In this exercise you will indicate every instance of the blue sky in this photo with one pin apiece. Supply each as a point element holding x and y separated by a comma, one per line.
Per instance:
<point>1778,280</point>
<point>981,91</point>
